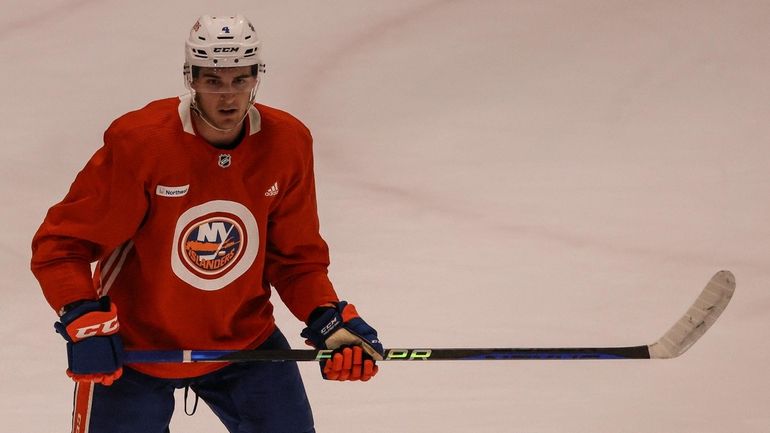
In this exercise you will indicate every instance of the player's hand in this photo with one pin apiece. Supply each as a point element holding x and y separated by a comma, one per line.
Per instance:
<point>355,344</point>
<point>94,348</point>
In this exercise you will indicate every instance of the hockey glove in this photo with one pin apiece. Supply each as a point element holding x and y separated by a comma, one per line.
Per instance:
<point>94,348</point>
<point>355,345</point>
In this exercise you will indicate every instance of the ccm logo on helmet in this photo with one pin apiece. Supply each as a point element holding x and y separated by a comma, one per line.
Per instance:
<point>226,50</point>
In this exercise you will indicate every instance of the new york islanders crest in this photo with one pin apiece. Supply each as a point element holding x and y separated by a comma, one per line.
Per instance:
<point>214,243</point>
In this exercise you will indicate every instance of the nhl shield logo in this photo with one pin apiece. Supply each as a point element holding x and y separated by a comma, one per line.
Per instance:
<point>225,160</point>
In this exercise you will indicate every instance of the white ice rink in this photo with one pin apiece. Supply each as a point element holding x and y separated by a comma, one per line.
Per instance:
<point>490,173</point>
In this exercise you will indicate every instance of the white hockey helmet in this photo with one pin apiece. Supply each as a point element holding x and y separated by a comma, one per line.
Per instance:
<point>223,42</point>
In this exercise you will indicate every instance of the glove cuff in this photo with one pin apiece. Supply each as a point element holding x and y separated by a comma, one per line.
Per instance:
<point>88,319</point>
<point>323,322</point>
<point>98,355</point>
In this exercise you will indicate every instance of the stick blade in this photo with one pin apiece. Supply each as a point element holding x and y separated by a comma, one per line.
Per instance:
<point>698,319</point>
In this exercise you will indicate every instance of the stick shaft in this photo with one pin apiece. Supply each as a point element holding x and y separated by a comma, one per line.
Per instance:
<point>457,354</point>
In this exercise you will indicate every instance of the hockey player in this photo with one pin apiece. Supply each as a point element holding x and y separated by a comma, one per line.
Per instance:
<point>195,209</point>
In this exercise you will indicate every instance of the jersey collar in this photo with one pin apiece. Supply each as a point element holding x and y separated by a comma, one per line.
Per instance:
<point>255,120</point>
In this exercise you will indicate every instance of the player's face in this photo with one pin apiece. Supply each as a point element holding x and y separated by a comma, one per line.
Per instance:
<point>224,94</point>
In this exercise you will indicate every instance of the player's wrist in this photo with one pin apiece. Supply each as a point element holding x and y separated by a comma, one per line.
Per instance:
<point>318,312</point>
<point>72,305</point>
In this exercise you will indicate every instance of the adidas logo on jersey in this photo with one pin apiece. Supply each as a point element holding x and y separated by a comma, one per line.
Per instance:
<point>272,191</point>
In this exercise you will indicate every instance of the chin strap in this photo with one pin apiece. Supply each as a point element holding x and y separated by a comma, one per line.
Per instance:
<point>194,107</point>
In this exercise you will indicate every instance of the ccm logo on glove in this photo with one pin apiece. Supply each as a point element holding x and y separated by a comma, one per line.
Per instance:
<point>331,326</point>
<point>94,324</point>
<point>105,328</point>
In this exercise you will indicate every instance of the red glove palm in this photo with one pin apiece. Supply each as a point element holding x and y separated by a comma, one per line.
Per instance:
<point>105,379</point>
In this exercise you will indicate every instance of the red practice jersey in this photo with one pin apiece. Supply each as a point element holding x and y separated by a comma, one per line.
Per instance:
<point>189,238</point>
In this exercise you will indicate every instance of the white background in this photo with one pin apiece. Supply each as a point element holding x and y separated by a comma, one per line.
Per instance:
<point>496,173</point>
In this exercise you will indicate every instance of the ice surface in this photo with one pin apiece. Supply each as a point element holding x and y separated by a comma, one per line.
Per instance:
<point>489,173</point>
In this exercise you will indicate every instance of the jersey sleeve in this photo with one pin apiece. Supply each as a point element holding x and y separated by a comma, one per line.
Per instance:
<point>103,208</point>
<point>297,257</point>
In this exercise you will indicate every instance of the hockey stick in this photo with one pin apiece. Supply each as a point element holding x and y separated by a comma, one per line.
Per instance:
<point>685,332</point>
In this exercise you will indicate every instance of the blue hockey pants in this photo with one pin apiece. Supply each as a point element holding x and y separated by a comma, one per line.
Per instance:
<point>249,397</point>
